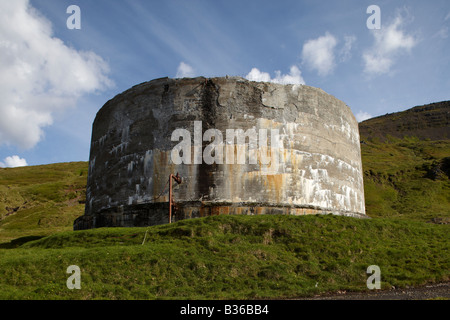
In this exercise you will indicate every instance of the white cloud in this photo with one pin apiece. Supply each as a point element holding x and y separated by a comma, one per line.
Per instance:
<point>185,71</point>
<point>319,53</point>
<point>390,42</point>
<point>362,115</point>
<point>13,162</point>
<point>294,76</point>
<point>256,75</point>
<point>39,74</point>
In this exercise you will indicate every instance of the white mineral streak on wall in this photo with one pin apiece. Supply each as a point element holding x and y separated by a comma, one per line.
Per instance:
<point>313,180</point>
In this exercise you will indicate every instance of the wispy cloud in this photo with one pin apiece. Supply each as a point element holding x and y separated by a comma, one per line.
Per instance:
<point>442,33</point>
<point>389,43</point>
<point>444,30</point>
<point>293,77</point>
<point>40,74</point>
<point>196,37</point>
<point>346,51</point>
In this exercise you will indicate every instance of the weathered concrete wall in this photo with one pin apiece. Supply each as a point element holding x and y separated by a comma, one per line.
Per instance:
<point>315,169</point>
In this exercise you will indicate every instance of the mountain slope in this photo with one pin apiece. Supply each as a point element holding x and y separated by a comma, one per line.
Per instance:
<point>406,163</point>
<point>41,200</point>
<point>431,121</point>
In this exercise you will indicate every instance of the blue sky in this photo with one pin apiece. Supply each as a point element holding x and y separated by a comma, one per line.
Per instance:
<point>53,80</point>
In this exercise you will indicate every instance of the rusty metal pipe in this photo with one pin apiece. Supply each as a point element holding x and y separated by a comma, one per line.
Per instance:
<point>178,179</point>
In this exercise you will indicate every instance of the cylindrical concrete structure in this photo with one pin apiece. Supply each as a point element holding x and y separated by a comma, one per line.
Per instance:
<point>241,147</point>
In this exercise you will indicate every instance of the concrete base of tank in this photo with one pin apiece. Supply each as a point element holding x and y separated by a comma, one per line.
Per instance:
<point>158,213</point>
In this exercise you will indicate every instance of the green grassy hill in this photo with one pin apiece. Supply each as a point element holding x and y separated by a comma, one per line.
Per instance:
<point>406,163</point>
<point>41,200</point>
<point>407,178</point>
<point>236,257</point>
<point>228,257</point>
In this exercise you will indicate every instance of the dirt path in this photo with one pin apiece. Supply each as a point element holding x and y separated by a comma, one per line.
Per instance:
<point>440,290</point>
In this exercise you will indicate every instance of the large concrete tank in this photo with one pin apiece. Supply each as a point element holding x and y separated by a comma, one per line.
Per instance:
<point>302,153</point>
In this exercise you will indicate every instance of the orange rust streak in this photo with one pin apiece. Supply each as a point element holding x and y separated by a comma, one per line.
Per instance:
<point>276,184</point>
<point>215,211</point>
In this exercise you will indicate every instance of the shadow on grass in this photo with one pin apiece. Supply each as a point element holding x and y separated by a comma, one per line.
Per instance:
<point>18,242</point>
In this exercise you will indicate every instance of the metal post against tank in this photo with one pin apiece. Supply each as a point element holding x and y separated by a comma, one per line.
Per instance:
<point>178,179</point>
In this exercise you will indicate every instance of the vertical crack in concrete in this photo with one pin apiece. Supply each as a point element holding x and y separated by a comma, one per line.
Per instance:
<point>209,98</point>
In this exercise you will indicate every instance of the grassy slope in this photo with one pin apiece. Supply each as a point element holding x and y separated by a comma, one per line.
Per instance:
<point>218,257</point>
<point>406,162</point>
<point>407,178</point>
<point>41,200</point>
<point>228,257</point>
